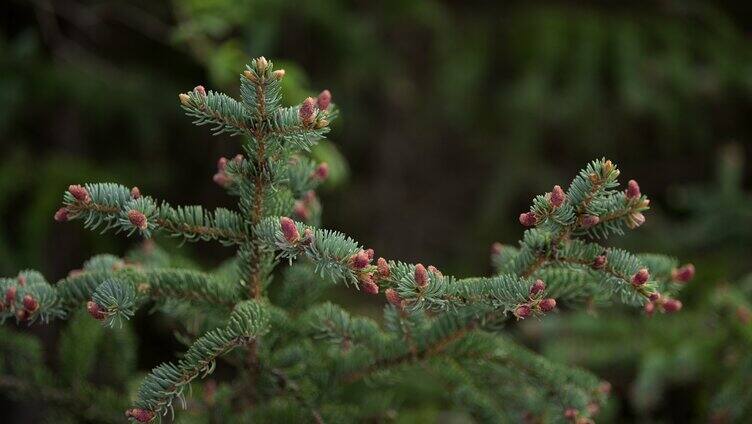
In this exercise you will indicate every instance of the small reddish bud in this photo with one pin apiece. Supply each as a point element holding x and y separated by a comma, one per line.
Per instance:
<point>522,311</point>
<point>393,298</point>
<point>600,261</point>
<point>436,271</point>
<point>382,267</point>
<point>369,286</point>
<point>557,196</point>
<point>95,311</point>
<point>604,388</point>
<point>528,219</point>
<point>138,219</point>
<point>654,296</point>
<point>306,111</point>
<point>301,211</point>
<point>537,287</point>
<point>61,215</point>
<point>10,295</point>
<point>21,280</point>
<point>30,304</point>
<point>635,219</point>
<point>370,253</point>
<point>421,276</point>
<point>548,305</point>
<point>324,99</point>
<point>641,277</point>
<point>289,229</point>
<point>496,248</point>
<point>633,190</point>
<point>672,305</point>
<point>200,90</point>
<point>238,159</point>
<point>79,193</point>
<point>135,193</point>
<point>684,274</point>
<point>650,308</point>
<point>321,172</point>
<point>589,221</point>
<point>360,260</point>
<point>140,415</point>
<point>221,164</point>
<point>570,413</point>
<point>593,408</point>
<point>222,179</point>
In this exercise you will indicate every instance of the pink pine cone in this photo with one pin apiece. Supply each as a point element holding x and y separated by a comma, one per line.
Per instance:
<point>557,196</point>
<point>289,229</point>
<point>61,215</point>
<point>641,277</point>
<point>684,274</point>
<point>307,110</point>
<point>528,219</point>
<point>324,99</point>
<point>633,190</point>
<point>138,219</point>
<point>421,276</point>
<point>79,193</point>
<point>537,287</point>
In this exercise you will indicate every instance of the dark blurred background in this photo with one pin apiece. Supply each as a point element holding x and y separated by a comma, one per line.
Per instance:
<point>454,114</point>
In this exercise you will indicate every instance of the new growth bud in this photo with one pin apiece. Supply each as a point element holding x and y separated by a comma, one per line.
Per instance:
<point>635,219</point>
<point>522,311</point>
<point>95,311</point>
<point>589,221</point>
<point>393,298</point>
<point>79,193</point>
<point>61,215</point>
<point>557,196</point>
<point>382,268</point>
<point>138,219</point>
<point>289,229</point>
<point>684,274</point>
<point>547,305</point>
<point>600,261</point>
<point>321,172</point>
<point>633,190</point>
<point>360,260</point>
<point>528,219</point>
<point>140,415</point>
<point>135,193</point>
<point>324,99</point>
<point>185,99</point>
<point>537,287</point>
<point>421,276</point>
<point>307,111</point>
<point>261,64</point>
<point>369,286</point>
<point>672,305</point>
<point>200,90</point>
<point>435,271</point>
<point>10,295</point>
<point>641,277</point>
<point>279,74</point>
<point>30,304</point>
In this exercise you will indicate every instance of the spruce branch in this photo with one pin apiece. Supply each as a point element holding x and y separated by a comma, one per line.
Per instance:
<point>111,206</point>
<point>166,382</point>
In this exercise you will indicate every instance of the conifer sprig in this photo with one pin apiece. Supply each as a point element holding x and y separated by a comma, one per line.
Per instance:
<point>299,363</point>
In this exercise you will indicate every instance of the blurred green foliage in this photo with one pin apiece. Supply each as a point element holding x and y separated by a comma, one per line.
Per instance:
<point>453,114</point>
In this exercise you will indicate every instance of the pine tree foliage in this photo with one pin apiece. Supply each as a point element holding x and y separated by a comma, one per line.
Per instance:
<point>297,357</point>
